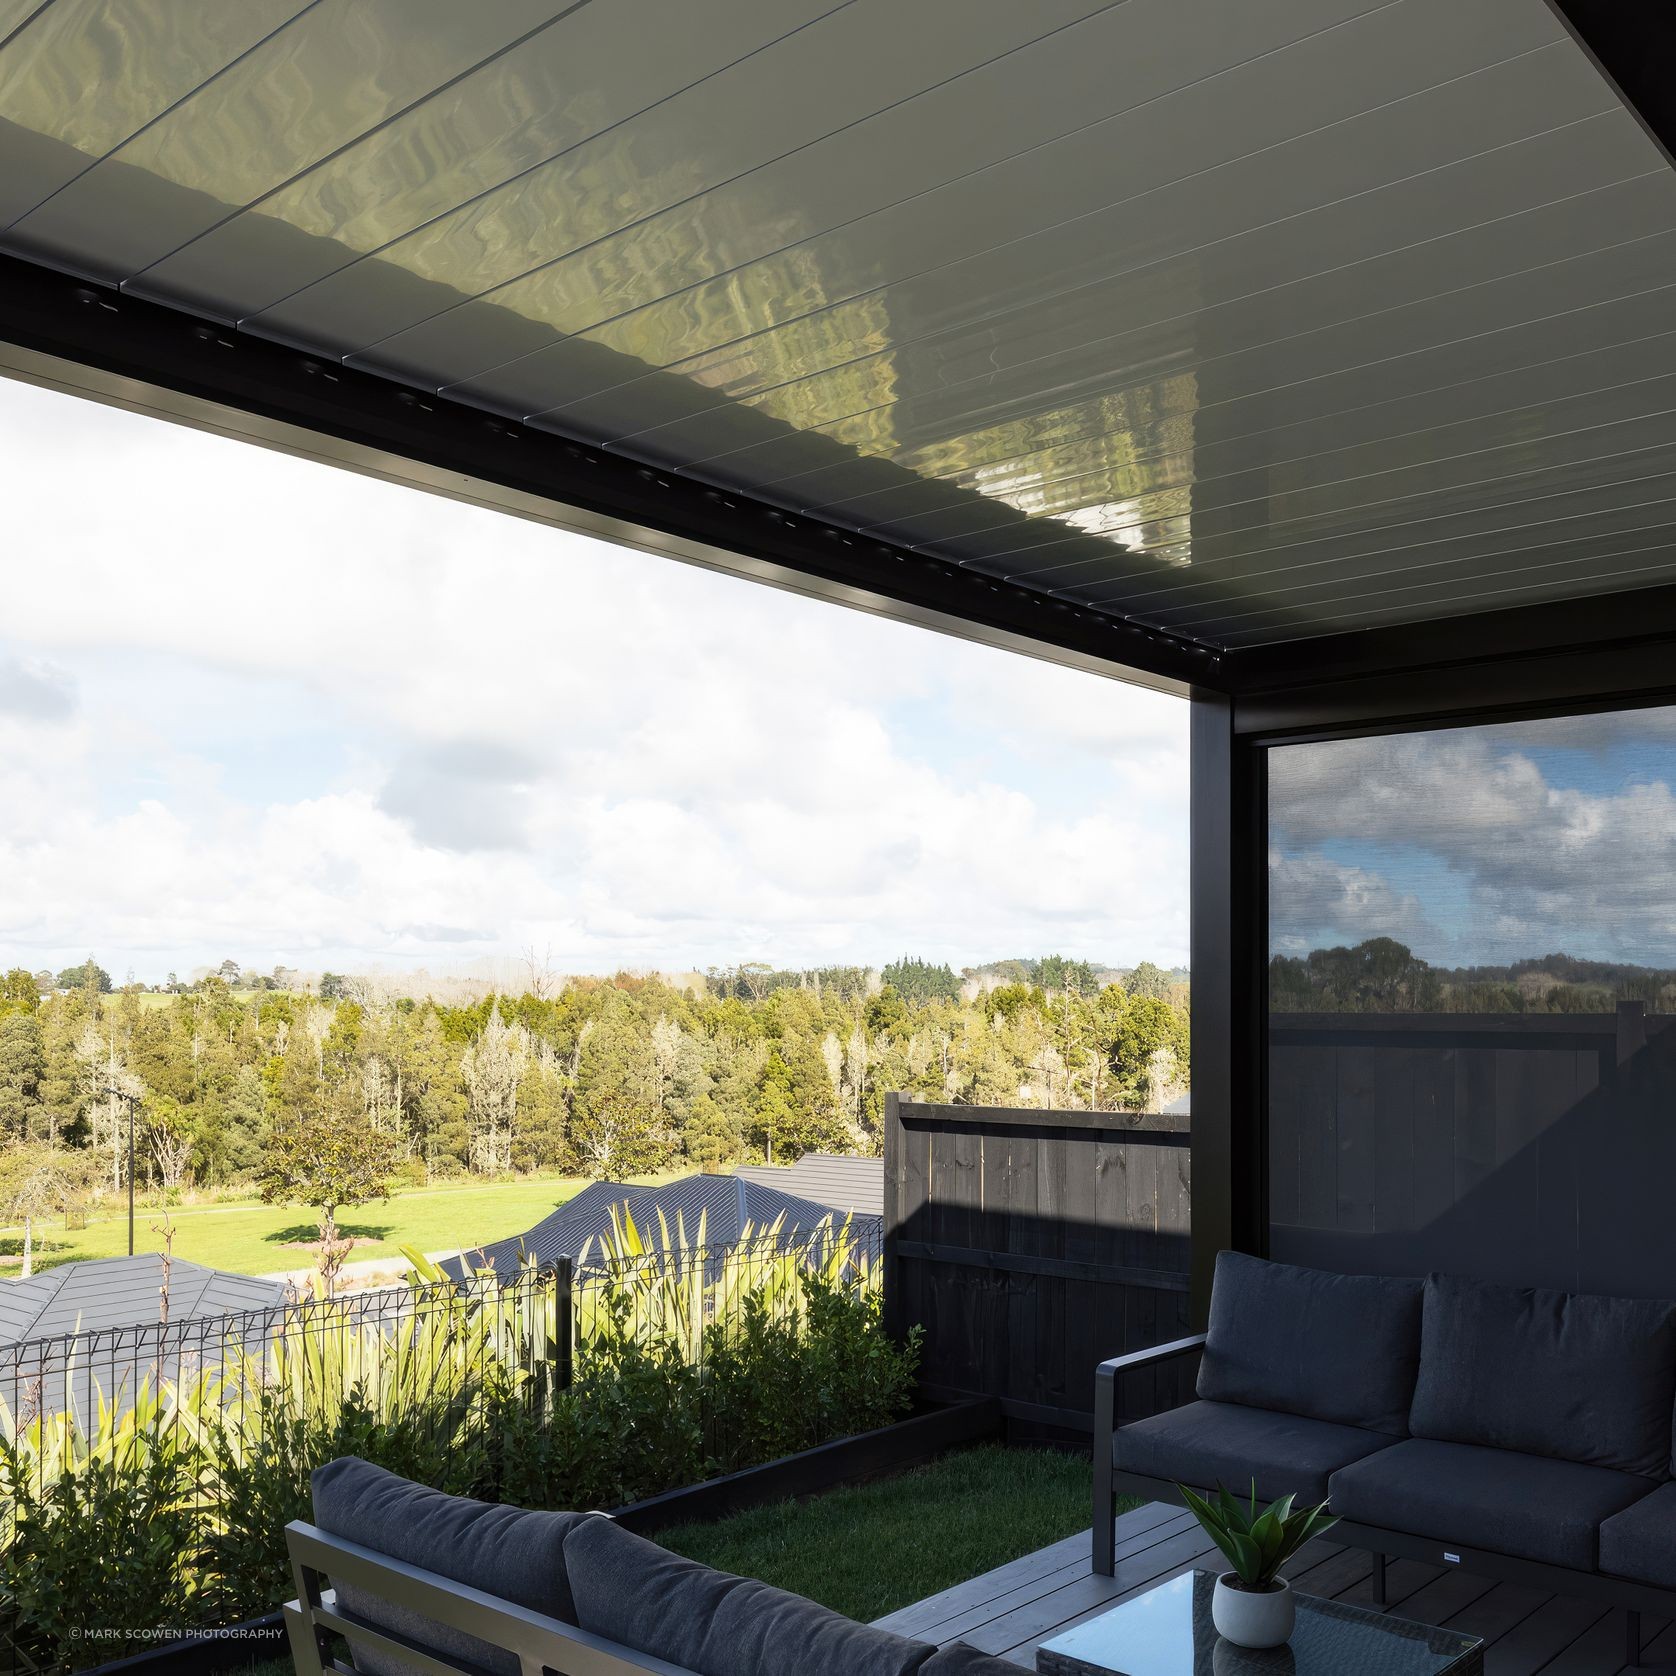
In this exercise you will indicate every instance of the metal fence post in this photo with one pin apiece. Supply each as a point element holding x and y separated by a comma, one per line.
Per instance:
<point>564,1325</point>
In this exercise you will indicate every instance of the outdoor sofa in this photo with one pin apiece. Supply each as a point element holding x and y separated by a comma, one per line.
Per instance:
<point>1523,1434</point>
<point>419,1583</point>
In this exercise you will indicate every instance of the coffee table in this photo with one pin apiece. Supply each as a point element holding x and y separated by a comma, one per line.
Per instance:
<point>1167,1632</point>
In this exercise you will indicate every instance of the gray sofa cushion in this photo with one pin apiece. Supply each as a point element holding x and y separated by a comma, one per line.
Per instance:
<point>1640,1542</point>
<point>1523,1505</point>
<point>639,1595</point>
<point>1204,1444</point>
<point>1578,1378</point>
<point>1337,1347</point>
<point>505,1551</point>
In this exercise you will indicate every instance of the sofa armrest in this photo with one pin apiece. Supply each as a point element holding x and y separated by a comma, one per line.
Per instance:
<point>1108,1373</point>
<point>1147,1358</point>
<point>1105,1423</point>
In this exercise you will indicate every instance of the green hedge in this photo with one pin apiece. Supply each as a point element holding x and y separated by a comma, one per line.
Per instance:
<point>173,1513</point>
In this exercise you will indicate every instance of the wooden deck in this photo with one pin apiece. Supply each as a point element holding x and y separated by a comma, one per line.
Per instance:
<point>1011,1610</point>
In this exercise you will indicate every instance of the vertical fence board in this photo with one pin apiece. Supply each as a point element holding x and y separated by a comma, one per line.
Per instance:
<point>1042,1243</point>
<point>1528,1148</point>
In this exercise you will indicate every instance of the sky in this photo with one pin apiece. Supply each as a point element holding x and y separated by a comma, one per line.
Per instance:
<point>1482,845</point>
<point>257,708</point>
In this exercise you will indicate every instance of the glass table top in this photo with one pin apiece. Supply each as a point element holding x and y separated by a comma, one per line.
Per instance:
<point>1167,1632</point>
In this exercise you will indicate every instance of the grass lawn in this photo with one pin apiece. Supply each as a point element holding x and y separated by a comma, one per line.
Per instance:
<point>875,1548</point>
<point>258,1239</point>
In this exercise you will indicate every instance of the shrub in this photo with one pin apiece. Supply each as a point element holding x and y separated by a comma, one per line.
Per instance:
<point>684,1365</point>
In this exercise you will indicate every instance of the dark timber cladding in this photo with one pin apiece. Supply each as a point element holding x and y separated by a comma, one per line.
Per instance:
<point>1030,1245</point>
<point>1530,1149</point>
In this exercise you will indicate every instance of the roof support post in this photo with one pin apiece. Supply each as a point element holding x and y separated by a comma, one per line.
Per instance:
<point>1229,948</point>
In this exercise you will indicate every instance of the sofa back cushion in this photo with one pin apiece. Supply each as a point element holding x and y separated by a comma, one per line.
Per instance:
<point>504,1551</point>
<point>639,1595</point>
<point>1569,1376</point>
<point>1338,1347</point>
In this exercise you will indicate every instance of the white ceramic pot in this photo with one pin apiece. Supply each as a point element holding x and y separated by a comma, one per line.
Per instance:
<point>1252,1620</point>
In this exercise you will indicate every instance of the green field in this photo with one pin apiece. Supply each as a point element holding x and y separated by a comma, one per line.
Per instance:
<point>260,1239</point>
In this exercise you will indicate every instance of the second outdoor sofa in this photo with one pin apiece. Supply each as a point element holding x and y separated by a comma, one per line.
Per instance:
<point>1526,1434</point>
<point>419,1582</point>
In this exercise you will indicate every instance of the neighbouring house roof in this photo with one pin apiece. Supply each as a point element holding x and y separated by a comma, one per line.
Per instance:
<point>726,1205</point>
<point>124,1292</point>
<point>855,1186</point>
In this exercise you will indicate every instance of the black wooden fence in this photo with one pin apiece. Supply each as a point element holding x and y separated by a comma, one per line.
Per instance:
<point>1525,1148</point>
<point>1031,1245</point>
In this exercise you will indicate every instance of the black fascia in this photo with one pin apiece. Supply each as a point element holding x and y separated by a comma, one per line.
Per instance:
<point>131,339</point>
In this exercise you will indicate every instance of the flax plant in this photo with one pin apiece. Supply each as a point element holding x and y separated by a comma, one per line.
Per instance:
<point>684,1361</point>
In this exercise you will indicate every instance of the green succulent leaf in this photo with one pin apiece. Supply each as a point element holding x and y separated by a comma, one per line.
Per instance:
<point>1249,1563</point>
<point>1256,1543</point>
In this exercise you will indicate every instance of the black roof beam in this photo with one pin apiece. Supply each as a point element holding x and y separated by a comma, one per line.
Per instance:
<point>140,353</point>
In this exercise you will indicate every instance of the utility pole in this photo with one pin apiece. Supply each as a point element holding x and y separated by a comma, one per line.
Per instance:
<point>129,1101</point>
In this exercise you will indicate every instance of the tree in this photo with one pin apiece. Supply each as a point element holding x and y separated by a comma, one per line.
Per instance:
<point>796,1104</point>
<point>1055,972</point>
<point>89,975</point>
<point>331,986</point>
<point>492,1068</point>
<point>1378,976</point>
<point>228,971</point>
<point>19,992</point>
<point>918,981</point>
<point>616,1136</point>
<point>1146,1045</point>
<point>1149,980</point>
<point>22,1065</point>
<point>169,1135</point>
<point>35,1181</point>
<point>617,1114</point>
<point>329,1157</point>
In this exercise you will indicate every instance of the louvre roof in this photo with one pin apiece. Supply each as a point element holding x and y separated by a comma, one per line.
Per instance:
<point>1225,326</point>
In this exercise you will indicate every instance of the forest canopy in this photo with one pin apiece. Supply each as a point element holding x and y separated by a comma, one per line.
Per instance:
<point>1382,975</point>
<point>604,1077</point>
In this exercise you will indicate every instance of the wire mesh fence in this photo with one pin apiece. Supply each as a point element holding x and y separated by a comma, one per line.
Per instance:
<point>575,1384</point>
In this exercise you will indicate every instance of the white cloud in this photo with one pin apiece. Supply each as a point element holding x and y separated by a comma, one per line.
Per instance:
<point>35,690</point>
<point>1312,897</point>
<point>1508,861</point>
<point>319,719</point>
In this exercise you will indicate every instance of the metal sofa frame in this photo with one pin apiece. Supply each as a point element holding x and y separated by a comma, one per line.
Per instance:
<point>539,1643</point>
<point>1110,1482</point>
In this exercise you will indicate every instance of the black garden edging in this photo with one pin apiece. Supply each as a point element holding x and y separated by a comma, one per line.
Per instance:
<point>849,1460</point>
<point>215,1651</point>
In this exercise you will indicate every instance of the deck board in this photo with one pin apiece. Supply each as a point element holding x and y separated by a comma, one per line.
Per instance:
<point>1010,1611</point>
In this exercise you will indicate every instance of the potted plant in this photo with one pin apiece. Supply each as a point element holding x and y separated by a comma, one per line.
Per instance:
<point>1252,1604</point>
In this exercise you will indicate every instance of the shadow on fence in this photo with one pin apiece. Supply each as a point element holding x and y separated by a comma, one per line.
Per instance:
<point>1031,1245</point>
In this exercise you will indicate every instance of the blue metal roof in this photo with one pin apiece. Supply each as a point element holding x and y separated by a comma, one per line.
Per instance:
<point>724,1205</point>
<point>100,1292</point>
<point>845,1183</point>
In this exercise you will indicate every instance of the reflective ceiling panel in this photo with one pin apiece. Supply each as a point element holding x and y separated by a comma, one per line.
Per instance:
<point>1252,323</point>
